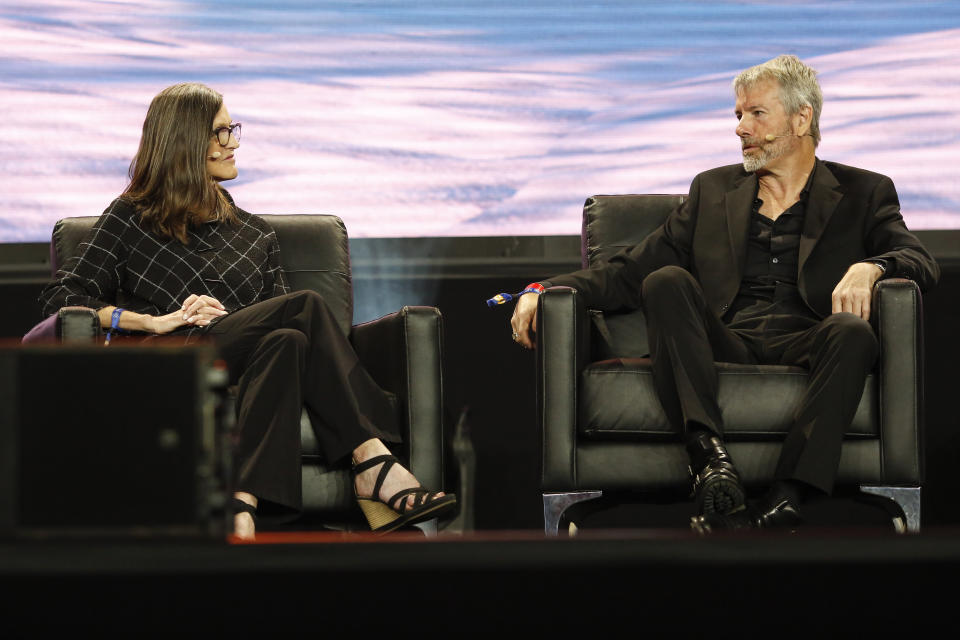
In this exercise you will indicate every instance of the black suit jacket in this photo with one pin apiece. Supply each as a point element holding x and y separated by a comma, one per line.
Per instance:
<point>852,215</point>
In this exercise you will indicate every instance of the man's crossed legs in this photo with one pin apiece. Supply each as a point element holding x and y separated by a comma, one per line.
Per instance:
<point>686,338</point>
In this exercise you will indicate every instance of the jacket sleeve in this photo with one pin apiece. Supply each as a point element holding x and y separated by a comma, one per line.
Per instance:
<point>889,240</point>
<point>275,272</point>
<point>91,278</point>
<point>617,283</point>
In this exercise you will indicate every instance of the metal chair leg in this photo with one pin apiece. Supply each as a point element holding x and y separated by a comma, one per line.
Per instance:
<point>466,461</point>
<point>554,504</point>
<point>428,527</point>
<point>908,499</point>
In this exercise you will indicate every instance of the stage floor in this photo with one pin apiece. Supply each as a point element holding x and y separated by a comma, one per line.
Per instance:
<point>818,581</point>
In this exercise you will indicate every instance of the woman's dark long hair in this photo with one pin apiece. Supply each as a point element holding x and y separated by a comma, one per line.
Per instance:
<point>169,182</point>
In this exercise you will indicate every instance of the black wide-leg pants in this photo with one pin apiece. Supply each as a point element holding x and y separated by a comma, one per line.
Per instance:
<point>686,338</point>
<point>286,354</point>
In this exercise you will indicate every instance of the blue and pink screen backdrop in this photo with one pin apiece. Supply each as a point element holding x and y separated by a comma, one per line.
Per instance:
<point>464,118</point>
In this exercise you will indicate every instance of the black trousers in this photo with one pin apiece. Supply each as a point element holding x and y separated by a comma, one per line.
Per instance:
<point>686,338</point>
<point>286,354</point>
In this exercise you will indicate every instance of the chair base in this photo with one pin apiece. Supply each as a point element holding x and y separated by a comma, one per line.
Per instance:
<point>428,527</point>
<point>466,461</point>
<point>554,505</point>
<point>908,499</point>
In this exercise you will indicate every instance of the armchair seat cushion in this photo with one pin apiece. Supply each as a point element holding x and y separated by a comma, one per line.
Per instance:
<point>757,402</point>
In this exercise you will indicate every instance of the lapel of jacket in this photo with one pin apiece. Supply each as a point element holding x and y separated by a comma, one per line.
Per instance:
<point>739,205</point>
<point>825,195</point>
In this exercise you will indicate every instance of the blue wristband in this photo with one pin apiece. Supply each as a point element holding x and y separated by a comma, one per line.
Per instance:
<point>114,324</point>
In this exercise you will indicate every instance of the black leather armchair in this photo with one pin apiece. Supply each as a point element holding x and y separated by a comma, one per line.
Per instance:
<point>602,425</point>
<point>402,351</point>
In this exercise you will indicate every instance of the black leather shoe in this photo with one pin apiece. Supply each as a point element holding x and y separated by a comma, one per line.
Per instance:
<point>716,483</point>
<point>782,515</point>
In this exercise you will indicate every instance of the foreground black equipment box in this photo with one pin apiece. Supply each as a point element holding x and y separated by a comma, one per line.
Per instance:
<point>122,440</point>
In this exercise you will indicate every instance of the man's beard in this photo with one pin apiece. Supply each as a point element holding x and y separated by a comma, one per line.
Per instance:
<point>767,153</point>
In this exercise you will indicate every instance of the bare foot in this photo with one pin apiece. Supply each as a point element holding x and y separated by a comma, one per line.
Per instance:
<point>243,525</point>
<point>397,479</point>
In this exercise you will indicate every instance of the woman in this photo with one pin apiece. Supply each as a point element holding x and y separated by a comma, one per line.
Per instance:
<point>173,255</point>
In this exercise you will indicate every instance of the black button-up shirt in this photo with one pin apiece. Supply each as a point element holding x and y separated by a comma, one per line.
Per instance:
<point>768,295</point>
<point>773,250</point>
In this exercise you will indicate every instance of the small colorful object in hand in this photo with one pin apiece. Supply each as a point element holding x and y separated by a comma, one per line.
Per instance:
<point>500,298</point>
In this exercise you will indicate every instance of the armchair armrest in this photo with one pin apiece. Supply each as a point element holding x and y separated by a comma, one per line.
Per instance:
<point>898,321</point>
<point>78,324</point>
<point>403,353</point>
<point>69,324</point>
<point>563,349</point>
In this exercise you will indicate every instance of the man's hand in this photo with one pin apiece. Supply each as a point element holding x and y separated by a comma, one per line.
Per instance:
<point>855,290</point>
<point>524,320</point>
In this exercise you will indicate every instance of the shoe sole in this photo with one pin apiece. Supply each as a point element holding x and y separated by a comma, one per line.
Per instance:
<point>383,519</point>
<point>723,495</point>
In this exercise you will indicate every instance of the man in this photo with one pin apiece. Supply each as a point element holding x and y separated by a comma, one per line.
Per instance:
<point>771,262</point>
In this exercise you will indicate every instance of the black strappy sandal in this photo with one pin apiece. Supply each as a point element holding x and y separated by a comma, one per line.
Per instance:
<point>241,506</point>
<point>383,516</point>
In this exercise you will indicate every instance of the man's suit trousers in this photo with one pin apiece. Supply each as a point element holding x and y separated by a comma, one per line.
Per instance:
<point>686,338</point>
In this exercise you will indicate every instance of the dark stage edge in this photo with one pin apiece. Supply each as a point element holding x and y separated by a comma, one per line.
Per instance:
<point>774,585</point>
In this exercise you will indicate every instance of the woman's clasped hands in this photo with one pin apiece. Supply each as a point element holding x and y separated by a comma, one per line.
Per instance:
<point>199,310</point>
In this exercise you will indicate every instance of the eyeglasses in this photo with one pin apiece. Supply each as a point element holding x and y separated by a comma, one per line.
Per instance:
<point>223,133</point>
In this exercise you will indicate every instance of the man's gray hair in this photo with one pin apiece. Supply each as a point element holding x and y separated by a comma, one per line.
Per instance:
<point>798,87</point>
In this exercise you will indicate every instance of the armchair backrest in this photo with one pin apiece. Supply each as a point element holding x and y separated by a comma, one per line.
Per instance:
<point>610,224</point>
<point>314,251</point>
